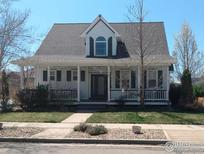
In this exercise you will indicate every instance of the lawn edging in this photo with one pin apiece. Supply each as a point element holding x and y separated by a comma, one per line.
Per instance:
<point>85,141</point>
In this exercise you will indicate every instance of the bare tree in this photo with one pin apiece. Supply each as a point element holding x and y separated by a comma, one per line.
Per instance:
<point>136,15</point>
<point>187,54</point>
<point>13,33</point>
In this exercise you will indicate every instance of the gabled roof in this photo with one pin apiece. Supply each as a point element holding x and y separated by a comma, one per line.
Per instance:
<point>95,22</point>
<point>64,39</point>
<point>65,43</point>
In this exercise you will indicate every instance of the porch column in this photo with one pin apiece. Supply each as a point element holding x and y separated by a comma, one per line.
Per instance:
<point>167,94</point>
<point>78,82</point>
<point>49,88</point>
<point>138,77</point>
<point>108,83</point>
<point>138,81</point>
<point>48,68</point>
<point>22,77</point>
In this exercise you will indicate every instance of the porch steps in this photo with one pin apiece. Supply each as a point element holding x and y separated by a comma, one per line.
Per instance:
<point>91,107</point>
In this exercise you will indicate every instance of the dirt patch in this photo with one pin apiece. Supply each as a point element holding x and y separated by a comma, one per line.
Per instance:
<point>19,132</point>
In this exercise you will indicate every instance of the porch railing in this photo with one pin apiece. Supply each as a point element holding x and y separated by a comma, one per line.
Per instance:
<point>63,95</point>
<point>55,96</point>
<point>134,95</point>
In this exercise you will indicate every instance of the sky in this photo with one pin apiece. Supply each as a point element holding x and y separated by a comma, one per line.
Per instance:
<point>44,13</point>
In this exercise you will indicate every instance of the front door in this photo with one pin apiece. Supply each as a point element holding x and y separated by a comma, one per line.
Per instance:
<point>98,87</point>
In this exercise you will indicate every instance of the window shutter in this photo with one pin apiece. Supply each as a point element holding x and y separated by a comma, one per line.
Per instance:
<point>68,74</point>
<point>45,76</point>
<point>133,79</point>
<point>58,75</point>
<point>91,46</point>
<point>110,47</point>
<point>117,79</point>
<point>82,75</point>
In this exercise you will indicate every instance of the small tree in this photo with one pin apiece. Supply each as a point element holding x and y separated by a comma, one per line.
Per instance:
<point>187,54</point>
<point>186,90</point>
<point>5,90</point>
<point>144,47</point>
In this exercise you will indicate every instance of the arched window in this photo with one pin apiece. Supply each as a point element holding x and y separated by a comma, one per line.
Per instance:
<point>100,46</point>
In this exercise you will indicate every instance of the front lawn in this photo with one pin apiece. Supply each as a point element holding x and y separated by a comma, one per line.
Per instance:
<point>148,117</point>
<point>52,117</point>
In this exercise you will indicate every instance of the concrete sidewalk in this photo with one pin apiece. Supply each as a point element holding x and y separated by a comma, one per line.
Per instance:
<point>107,125</point>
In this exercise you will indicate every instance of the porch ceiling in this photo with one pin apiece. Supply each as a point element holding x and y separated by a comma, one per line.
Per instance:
<point>61,60</point>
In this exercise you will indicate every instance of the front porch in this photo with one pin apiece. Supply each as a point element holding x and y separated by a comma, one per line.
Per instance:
<point>103,84</point>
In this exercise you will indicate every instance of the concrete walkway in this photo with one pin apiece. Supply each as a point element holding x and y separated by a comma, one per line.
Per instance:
<point>53,133</point>
<point>71,121</point>
<point>77,118</point>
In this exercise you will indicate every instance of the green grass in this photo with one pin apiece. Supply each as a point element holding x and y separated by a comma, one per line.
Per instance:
<point>52,117</point>
<point>148,117</point>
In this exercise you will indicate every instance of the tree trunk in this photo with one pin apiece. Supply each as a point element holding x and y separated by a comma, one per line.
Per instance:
<point>142,82</point>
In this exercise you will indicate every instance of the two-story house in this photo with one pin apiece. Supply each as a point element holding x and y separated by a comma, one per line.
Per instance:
<point>98,62</point>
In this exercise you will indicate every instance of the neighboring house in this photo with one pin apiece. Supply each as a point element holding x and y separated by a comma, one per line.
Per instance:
<point>97,62</point>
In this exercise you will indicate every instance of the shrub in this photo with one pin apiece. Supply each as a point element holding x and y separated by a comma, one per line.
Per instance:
<point>41,98</point>
<point>24,97</point>
<point>198,90</point>
<point>31,99</point>
<point>174,93</point>
<point>186,90</point>
<point>81,127</point>
<point>96,130</point>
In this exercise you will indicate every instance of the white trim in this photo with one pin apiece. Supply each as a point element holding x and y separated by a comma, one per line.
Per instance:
<point>78,83</point>
<point>168,76</point>
<point>22,78</point>
<point>94,23</point>
<point>108,83</point>
<point>48,73</point>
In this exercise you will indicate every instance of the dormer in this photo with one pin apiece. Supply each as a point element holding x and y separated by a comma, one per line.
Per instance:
<point>100,39</point>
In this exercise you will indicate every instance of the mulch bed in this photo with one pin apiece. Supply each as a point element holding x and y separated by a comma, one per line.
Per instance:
<point>19,132</point>
<point>122,134</point>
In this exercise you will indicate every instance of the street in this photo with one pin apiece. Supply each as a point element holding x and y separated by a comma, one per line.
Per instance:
<point>41,148</point>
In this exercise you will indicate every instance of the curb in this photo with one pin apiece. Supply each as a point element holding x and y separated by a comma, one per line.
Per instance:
<point>83,141</point>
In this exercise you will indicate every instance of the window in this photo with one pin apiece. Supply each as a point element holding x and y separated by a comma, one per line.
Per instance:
<point>74,75</point>
<point>52,75</point>
<point>45,76</point>
<point>110,47</point>
<point>100,46</point>
<point>68,74</point>
<point>133,79</point>
<point>82,75</point>
<point>152,78</point>
<point>125,79</point>
<point>59,75</point>
<point>117,79</point>
<point>160,79</point>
